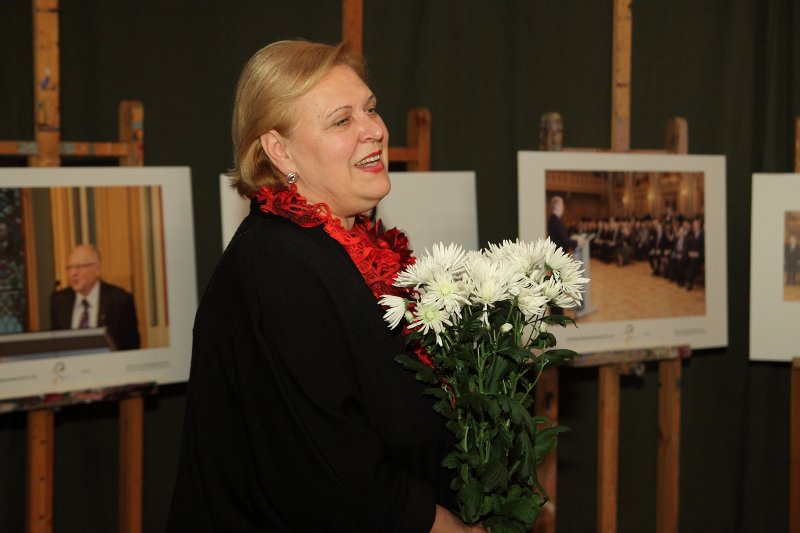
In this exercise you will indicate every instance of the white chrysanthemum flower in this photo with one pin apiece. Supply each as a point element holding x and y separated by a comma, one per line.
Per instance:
<point>532,303</point>
<point>417,274</point>
<point>556,259</point>
<point>491,281</point>
<point>449,258</point>
<point>442,258</point>
<point>505,328</point>
<point>523,255</point>
<point>395,309</point>
<point>445,292</point>
<point>573,281</point>
<point>430,318</point>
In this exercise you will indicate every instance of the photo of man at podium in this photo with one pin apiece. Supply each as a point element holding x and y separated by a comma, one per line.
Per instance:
<point>577,244</point>
<point>90,302</point>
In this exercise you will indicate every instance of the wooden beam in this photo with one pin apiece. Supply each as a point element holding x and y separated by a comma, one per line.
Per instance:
<point>621,77</point>
<point>546,404</point>
<point>607,448</point>
<point>47,81</point>
<point>47,130</point>
<point>353,24</point>
<point>794,448</point>
<point>40,471</point>
<point>669,433</point>
<point>79,148</point>
<point>131,133</point>
<point>418,134</point>
<point>131,463</point>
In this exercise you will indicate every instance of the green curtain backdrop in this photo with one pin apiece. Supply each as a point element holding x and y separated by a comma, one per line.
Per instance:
<point>487,70</point>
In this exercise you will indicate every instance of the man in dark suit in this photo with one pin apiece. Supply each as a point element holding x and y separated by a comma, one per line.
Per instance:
<point>91,302</point>
<point>555,227</point>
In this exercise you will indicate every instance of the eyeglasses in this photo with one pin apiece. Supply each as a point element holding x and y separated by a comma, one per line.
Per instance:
<point>77,266</point>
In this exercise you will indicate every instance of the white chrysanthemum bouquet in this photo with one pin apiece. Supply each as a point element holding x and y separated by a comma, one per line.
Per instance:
<point>477,322</point>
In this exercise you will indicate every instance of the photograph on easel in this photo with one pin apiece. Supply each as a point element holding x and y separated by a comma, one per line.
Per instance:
<point>96,278</point>
<point>774,267</point>
<point>791,256</point>
<point>650,231</point>
<point>84,258</point>
<point>640,236</point>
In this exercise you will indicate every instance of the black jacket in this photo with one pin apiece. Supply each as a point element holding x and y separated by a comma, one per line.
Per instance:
<point>297,417</point>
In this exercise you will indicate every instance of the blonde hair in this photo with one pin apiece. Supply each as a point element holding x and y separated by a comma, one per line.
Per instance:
<point>269,84</point>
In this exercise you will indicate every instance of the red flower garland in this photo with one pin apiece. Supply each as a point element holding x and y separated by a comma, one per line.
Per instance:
<point>377,253</point>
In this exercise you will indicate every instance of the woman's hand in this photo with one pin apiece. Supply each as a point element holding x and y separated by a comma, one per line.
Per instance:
<point>447,522</point>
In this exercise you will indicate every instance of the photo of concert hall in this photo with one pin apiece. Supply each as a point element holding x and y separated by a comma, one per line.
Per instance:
<point>641,236</point>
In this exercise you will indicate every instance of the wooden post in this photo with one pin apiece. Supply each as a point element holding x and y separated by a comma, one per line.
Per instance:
<point>131,409</point>
<point>546,404</point>
<point>621,77</point>
<point>669,432</point>
<point>669,395</point>
<point>546,401</point>
<point>607,448</point>
<point>131,462</point>
<point>418,135</point>
<point>47,84</point>
<point>608,430</point>
<point>353,24</point>
<point>40,471</point>
<point>47,129</point>
<point>794,449</point>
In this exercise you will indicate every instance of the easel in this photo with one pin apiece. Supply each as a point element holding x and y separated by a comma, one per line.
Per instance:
<point>417,152</point>
<point>46,151</point>
<point>794,402</point>
<point>612,365</point>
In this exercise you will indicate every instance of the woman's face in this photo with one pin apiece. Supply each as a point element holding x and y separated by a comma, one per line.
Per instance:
<point>339,145</point>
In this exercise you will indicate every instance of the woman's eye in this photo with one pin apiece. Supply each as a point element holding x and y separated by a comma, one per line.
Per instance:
<point>342,122</point>
<point>372,111</point>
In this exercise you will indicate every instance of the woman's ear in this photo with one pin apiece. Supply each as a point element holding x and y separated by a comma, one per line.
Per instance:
<point>274,145</point>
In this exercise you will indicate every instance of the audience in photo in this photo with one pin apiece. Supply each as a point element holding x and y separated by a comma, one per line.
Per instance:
<point>673,245</point>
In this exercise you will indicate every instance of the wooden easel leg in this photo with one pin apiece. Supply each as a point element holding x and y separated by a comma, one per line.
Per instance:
<point>131,425</point>
<point>547,405</point>
<point>40,471</point>
<point>794,449</point>
<point>669,429</point>
<point>607,448</point>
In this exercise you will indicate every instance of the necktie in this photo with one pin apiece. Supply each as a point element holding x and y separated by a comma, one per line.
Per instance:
<point>84,322</point>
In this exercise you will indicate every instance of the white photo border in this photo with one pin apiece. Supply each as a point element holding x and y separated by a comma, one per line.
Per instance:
<point>162,365</point>
<point>698,332</point>
<point>774,331</point>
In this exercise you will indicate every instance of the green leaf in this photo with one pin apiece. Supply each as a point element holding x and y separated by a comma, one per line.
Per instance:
<point>526,454</point>
<point>425,373</point>
<point>494,475</point>
<point>470,499</point>
<point>519,414</point>
<point>561,320</point>
<point>517,354</point>
<point>554,357</point>
<point>452,460</point>
<point>524,509</point>
<point>545,340</point>
<point>546,441</point>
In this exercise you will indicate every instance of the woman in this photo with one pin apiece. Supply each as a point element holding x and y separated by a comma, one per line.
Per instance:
<point>297,417</point>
